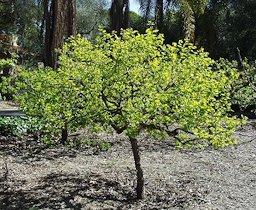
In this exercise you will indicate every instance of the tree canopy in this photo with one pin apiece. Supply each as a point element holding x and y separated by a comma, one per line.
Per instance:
<point>218,26</point>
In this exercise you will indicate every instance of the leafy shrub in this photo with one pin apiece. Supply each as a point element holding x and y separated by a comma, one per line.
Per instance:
<point>133,83</point>
<point>48,95</point>
<point>9,62</point>
<point>17,126</point>
<point>243,93</point>
<point>8,67</point>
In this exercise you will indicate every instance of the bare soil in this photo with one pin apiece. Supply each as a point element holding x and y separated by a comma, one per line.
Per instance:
<point>36,176</point>
<point>7,105</point>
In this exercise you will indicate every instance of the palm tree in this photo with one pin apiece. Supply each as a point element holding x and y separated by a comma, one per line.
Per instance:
<point>190,9</point>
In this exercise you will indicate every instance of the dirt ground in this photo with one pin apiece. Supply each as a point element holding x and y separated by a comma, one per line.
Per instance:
<point>34,176</point>
<point>7,105</point>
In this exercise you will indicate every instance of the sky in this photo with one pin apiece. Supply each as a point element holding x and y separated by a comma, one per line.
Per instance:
<point>134,6</point>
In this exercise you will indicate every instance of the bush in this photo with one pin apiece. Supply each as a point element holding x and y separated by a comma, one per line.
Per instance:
<point>18,126</point>
<point>243,92</point>
<point>8,67</point>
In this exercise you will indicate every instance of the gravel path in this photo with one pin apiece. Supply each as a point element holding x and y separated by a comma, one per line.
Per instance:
<point>4,105</point>
<point>39,177</point>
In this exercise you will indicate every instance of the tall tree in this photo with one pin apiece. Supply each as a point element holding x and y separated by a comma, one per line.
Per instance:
<point>190,9</point>
<point>227,25</point>
<point>60,23</point>
<point>90,15</point>
<point>159,14</point>
<point>119,15</point>
<point>7,19</point>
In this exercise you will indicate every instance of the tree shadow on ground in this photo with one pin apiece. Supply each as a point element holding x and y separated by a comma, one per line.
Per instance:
<point>71,191</point>
<point>65,191</point>
<point>29,149</point>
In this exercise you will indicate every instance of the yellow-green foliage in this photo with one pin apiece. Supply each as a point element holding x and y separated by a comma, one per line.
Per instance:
<point>8,63</point>
<point>244,88</point>
<point>133,82</point>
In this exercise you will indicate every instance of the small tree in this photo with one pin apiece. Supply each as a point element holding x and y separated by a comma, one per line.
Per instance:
<point>135,83</point>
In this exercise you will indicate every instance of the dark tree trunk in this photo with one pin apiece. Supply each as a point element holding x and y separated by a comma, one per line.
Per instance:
<point>58,29</point>
<point>64,134</point>
<point>42,29</point>
<point>60,23</point>
<point>140,179</point>
<point>160,15</point>
<point>48,16</point>
<point>119,15</point>
<point>71,18</point>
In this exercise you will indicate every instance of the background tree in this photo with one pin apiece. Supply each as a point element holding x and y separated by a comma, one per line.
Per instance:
<point>22,19</point>
<point>173,29</point>
<point>190,11</point>
<point>159,13</point>
<point>90,15</point>
<point>224,26</point>
<point>227,25</point>
<point>7,20</point>
<point>60,24</point>
<point>137,22</point>
<point>119,15</point>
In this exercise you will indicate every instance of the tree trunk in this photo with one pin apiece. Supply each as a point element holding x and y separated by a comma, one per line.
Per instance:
<point>60,24</point>
<point>71,18</point>
<point>160,15</point>
<point>64,134</point>
<point>119,15</point>
<point>58,30</point>
<point>42,28</point>
<point>48,16</point>
<point>140,179</point>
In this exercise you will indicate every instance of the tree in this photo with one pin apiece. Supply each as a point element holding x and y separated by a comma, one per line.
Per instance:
<point>22,19</point>
<point>239,29</point>
<point>159,14</point>
<point>119,15</point>
<point>131,84</point>
<point>190,11</point>
<point>172,25</point>
<point>7,20</point>
<point>90,16</point>
<point>136,22</point>
<point>60,23</point>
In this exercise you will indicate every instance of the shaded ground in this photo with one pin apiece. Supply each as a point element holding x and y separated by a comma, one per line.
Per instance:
<point>34,175</point>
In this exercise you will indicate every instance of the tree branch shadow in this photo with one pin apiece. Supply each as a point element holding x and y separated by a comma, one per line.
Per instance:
<point>58,191</point>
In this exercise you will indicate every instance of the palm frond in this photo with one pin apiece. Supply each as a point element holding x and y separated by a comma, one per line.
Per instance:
<point>190,9</point>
